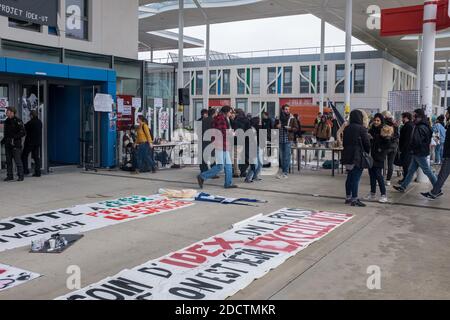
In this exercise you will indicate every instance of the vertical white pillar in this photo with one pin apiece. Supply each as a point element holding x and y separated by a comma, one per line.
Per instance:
<point>348,53</point>
<point>206,77</point>
<point>322,64</point>
<point>429,47</point>
<point>419,62</point>
<point>180,50</point>
<point>446,86</point>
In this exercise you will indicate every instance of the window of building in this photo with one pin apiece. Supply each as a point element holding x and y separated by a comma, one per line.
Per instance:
<point>287,80</point>
<point>359,78</point>
<point>198,107</point>
<point>213,82</point>
<point>256,81</point>
<point>199,83</point>
<point>226,82</point>
<point>21,50</point>
<point>340,78</point>
<point>272,80</point>
<point>325,84</point>
<point>305,79</point>
<point>77,19</point>
<point>242,104</point>
<point>256,109</point>
<point>25,25</point>
<point>241,81</point>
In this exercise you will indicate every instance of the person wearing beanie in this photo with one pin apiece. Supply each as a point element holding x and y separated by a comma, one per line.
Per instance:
<point>420,149</point>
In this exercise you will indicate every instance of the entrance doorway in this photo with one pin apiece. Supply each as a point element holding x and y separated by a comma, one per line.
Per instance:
<point>90,142</point>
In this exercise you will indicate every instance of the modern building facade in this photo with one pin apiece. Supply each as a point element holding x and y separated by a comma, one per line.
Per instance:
<point>56,58</point>
<point>266,83</point>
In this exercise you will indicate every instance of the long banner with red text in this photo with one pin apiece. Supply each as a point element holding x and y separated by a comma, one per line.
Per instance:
<point>220,266</point>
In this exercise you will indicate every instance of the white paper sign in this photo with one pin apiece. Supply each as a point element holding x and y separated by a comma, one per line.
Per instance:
<point>137,103</point>
<point>120,105</point>
<point>103,102</point>
<point>158,102</point>
<point>164,120</point>
<point>12,277</point>
<point>219,267</point>
<point>4,103</point>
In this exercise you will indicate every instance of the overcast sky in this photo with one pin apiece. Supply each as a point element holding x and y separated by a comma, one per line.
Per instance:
<point>263,34</point>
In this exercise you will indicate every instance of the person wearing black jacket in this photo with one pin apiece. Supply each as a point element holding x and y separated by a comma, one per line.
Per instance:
<point>242,122</point>
<point>255,153</point>
<point>14,131</point>
<point>420,150</point>
<point>445,168</point>
<point>356,140</point>
<point>405,139</point>
<point>206,119</point>
<point>33,143</point>
<point>379,147</point>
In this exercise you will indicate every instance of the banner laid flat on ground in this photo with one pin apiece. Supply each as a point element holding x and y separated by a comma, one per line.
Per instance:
<point>20,231</point>
<point>219,267</point>
<point>12,277</point>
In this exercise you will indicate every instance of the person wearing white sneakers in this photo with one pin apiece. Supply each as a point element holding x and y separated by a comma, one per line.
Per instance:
<point>380,142</point>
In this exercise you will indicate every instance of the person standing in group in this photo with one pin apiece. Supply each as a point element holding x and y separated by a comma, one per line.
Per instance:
<point>267,126</point>
<point>33,143</point>
<point>356,141</point>
<point>206,121</point>
<point>14,131</point>
<point>322,132</point>
<point>222,149</point>
<point>144,147</point>
<point>440,132</point>
<point>404,143</point>
<point>380,143</point>
<point>420,150</point>
<point>445,168</point>
<point>389,123</point>
<point>256,160</point>
<point>287,126</point>
<point>241,122</point>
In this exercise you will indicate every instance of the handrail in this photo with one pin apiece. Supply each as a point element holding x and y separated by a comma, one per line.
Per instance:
<point>265,53</point>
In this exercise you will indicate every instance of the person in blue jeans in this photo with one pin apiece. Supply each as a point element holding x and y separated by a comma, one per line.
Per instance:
<point>223,156</point>
<point>439,130</point>
<point>356,141</point>
<point>420,149</point>
<point>288,127</point>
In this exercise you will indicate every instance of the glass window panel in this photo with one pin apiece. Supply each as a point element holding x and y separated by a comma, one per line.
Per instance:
<point>199,83</point>
<point>287,80</point>
<point>212,79</point>
<point>226,82</point>
<point>77,19</point>
<point>340,74</point>
<point>304,84</point>
<point>271,77</point>
<point>360,78</point>
<point>256,81</point>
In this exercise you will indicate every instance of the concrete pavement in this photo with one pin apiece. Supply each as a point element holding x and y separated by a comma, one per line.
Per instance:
<point>408,239</point>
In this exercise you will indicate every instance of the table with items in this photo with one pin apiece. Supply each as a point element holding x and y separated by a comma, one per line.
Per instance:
<point>163,153</point>
<point>335,151</point>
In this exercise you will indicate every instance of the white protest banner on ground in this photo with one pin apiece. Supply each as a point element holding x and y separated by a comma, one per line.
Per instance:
<point>219,267</point>
<point>20,231</point>
<point>12,277</point>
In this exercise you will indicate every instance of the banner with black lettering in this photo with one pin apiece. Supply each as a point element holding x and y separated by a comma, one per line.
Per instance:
<point>219,267</point>
<point>12,277</point>
<point>20,231</point>
<point>43,12</point>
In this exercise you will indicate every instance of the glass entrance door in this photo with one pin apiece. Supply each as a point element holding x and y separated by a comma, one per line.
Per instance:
<point>90,129</point>
<point>33,95</point>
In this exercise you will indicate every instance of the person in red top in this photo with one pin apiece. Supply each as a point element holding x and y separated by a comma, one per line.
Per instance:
<point>222,150</point>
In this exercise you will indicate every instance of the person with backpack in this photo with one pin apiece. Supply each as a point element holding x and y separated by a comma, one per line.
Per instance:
<point>356,143</point>
<point>420,149</point>
<point>14,131</point>
<point>380,142</point>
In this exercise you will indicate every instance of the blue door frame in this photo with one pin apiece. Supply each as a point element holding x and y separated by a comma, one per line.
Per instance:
<point>105,77</point>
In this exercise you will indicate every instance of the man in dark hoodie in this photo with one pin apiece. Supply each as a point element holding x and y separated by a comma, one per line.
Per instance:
<point>355,141</point>
<point>445,168</point>
<point>206,119</point>
<point>420,150</point>
<point>404,142</point>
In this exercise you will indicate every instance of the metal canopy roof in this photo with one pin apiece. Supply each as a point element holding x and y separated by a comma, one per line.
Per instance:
<point>165,40</point>
<point>164,15</point>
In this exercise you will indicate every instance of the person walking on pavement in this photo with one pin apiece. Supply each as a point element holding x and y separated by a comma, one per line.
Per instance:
<point>380,142</point>
<point>440,132</point>
<point>420,150</point>
<point>445,168</point>
<point>14,131</point>
<point>355,141</point>
<point>33,143</point>
<point>222,150</point>
<point>206,120</point>
<point>404,142</point>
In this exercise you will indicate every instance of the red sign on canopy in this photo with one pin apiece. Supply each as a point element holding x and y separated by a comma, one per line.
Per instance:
<point>409,20</point>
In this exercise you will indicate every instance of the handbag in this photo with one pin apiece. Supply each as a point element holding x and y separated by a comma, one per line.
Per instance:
<point>367,160</point>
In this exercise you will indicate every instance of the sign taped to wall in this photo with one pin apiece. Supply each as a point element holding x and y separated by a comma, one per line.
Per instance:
<point>13,277</point>
<point>219,267</point>
<point>20,231</point>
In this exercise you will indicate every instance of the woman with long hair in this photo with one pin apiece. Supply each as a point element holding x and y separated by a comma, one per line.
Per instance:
<point>144,147</point>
